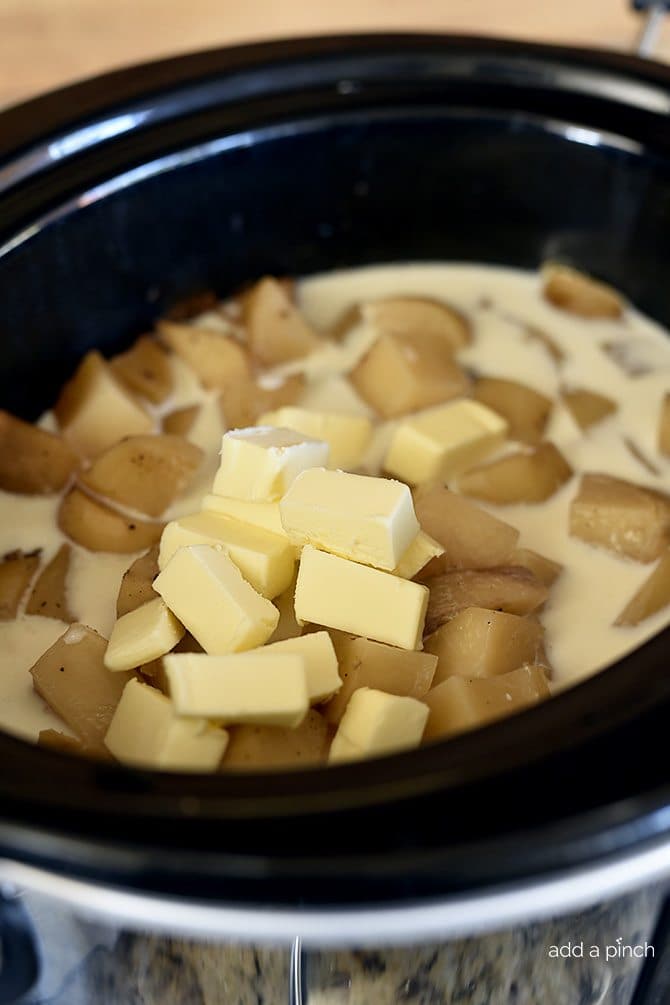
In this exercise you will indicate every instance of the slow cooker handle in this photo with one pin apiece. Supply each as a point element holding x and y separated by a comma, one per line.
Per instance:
<point>296,988</point>
<point>19,963</point>
<point>648,37</point>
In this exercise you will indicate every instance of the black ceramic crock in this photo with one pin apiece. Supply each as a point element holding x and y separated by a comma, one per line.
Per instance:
<point>120,196</point>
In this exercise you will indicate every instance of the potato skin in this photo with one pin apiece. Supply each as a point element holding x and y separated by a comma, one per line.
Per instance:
<point>98,528</point>
<point>32,460</point>
<point>621,516</point>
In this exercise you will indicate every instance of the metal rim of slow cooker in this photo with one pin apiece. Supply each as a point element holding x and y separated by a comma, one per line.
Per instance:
<point>106,807</point>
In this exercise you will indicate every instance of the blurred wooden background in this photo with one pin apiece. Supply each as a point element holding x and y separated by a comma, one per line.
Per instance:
<point>44,43</point>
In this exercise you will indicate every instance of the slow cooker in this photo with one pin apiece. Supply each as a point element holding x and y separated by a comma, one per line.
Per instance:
<point>124,194</point>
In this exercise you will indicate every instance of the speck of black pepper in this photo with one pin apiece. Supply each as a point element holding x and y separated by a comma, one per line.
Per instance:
<point>62,669</point>
<point>131,526</point>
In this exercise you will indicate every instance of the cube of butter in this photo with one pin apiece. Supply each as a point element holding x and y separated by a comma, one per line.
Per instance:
<point>146,733</point>
<point>143,635</point>
<point>347,435</point>
<point>378,723</point>
<point>258,514</point>
<point>265,560</point>
<point>442,442</point>
<point>321,667</point>
<point>369,520</point>
<point>260,463</point>
<point>262,687</point>
<point>337,593</point>
<point>420,552</point>
<point>206,591</point>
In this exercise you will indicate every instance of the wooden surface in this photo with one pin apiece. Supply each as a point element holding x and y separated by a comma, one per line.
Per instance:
<point>44,43</point>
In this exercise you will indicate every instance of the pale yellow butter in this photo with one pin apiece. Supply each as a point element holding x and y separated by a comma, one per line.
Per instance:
<point>146,733</point>
<point>441,442</point>
<point>342,750</point>
<point>265,560</point>
<point>207,592</point>
<point>321,668</point>
<point>260,463</point>
<point>422,549</point>
<point>347,435</point>
<point>262,687</point>
<point>142,635</point>
<point>377,723</point>
<point>335,394</point>
<point>337,593</point>
<point>258,514</point>
<point>369,520</point>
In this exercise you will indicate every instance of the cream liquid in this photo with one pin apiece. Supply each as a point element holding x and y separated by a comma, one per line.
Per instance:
<point>499,302</point>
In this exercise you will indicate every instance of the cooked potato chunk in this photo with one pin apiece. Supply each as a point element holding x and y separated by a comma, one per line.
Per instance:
<point>144,473</point>
<point>622,517</point>
<point>543,568</point>
<point>527,411</point>
<point>664,427</point>
<point>652,596</point>
<point>180,422</point>
<point>519,478</point>
<point>136,586</point>
<point>72,679</point>
<point>145,370</point>
<point>217,359</point>
<point>192,305</point>
<point>482,643</point>
<point>16,571</point>
<point>95,410</point>
<point>587,407</point>
<point>245,400</point>
<point>417,316</point>
<point>471,537</point>
<point>33,461</point>
<point>511,589</point>
<point>460,703</point>
<point>99,528</point>
<point>364,663</point>
<point>577,293</point>
<point>276,331</point>
<point>61,742</point>
<point>405,373</point>
<point>49,595</point>
<point>258,748</point>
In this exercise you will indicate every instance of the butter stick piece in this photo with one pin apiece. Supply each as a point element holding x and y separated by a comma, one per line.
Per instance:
<point>347,435</point>
<point>206,591</point>
<point>442,442</point>
<point>261,687</point>
<point>377,723</point>
<point>337,593</point>
<point>260,463</point>
<point>264,515</point>
<point>365,519</point>
<point>321,668</point>
<point>143,635</point>
<point>420,552</point>
<point>146,733</point>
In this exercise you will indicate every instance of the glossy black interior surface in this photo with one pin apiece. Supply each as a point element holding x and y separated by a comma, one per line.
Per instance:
<point>122,195</point>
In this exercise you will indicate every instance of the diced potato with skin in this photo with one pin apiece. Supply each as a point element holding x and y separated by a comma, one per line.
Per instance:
<point>95,410</point>
<point>276,330</point>
<point>144,634</point>
<point>144,473</point>
<point>49,594</point>
<point>529,477</point>
<point>471,537</point>
<point>217,359</point>
<point>546,570</point>
<point>461,703</point>
<point>32,460</point>
<point>664,427</point>
<point>181,421</point>
<point>71,677</point>
<point>621,516</point>
<point>483,643</point>
<point>145,370</point>
<point>412,316</point>
<point>377,723</point>
<point>526,410</point>
<point>97,527</point>
<point>16,572</point>
<point>260,748</point>
<point>53,739</point>
<point>651,597</point>
<point>577,293</point>
<point>587,407</point>
<point>404,373</point>
<point>421,551</point>
<point>511,589</point>
<point>245,400</point>
<point>191,306</point>
<point>137,583</point>
<point>364,663</point>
